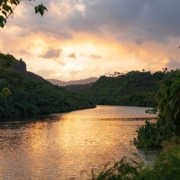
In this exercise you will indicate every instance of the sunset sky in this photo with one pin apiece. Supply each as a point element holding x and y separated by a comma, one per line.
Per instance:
<point>77,39</point>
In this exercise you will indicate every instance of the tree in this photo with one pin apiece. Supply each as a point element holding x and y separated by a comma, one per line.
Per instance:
<point>165,70</point>
<point>7,8</point>
<point>5,92</point>
<point>168,99</point>
<point>8,60</point>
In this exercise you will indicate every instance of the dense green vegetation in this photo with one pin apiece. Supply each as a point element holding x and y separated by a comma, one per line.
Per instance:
<point>168,107</point>
<point>79,88</point>
<point>9,62</point>
<point>167,166</point>
<point>165,133</point>
<point>133,89</point>
<point>31,97</point>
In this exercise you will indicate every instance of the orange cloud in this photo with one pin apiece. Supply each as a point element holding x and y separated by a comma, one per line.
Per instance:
<point>122,35</point>
<point>93,56</point>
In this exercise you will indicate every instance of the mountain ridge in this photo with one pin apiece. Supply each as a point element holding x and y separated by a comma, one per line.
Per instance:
<point>73,82</point>
<point>133,89</point>
<point>30,94</point>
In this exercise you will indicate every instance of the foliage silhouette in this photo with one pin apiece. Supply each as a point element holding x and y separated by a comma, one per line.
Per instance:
<point>166,166</point>
<point>7,8</point>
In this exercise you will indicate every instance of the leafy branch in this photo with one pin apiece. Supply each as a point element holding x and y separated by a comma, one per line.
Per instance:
<point>7,8</point>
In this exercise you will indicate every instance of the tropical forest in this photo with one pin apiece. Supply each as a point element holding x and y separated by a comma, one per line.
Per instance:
<point>89,90</point>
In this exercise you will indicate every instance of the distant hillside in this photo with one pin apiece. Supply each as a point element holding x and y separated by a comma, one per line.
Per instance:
<point>30,94</point>
<point>79,88</point>
<point>65,83</point>
<point>133,89</point>
<point>20,66</point>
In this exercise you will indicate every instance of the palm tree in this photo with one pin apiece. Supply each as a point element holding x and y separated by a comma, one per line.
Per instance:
<point>168,100</point>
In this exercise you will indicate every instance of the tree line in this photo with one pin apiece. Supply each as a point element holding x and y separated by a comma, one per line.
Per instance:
<point>136,89</point>
<point>31,97</point>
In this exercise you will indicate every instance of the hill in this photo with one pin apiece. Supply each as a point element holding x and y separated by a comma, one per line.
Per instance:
<point>20,66</point>
<point>31,94</point>
<point>65,83</point>
<point>79,88</point>
<point>133,89</point>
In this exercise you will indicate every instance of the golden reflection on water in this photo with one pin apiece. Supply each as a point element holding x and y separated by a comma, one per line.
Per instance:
<point>76,141</point>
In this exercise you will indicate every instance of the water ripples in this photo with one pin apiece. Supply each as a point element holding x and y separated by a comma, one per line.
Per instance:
<point>64,146</point>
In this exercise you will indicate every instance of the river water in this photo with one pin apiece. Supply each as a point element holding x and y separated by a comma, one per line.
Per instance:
<point>67,146</point>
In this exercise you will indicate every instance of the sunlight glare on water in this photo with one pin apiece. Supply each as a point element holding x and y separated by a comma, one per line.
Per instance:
<point>61,146</point>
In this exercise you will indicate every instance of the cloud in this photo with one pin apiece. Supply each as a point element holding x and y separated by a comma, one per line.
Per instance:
<point>74,72</point>
<point>23,53</point>
<point>173,63</point>
<point>93,56</point>
<point>129,34</point>
<point>51,53</point>
<point>59,61</point>
<point>72,55</point>
<point>151,20</point>
<point>46,73</point>
<point>125,20</point>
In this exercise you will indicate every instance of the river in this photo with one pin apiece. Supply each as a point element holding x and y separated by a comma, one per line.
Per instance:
<point>67,146</point>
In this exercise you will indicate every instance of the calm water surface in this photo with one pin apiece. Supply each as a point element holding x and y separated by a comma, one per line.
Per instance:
<point>68,146</point>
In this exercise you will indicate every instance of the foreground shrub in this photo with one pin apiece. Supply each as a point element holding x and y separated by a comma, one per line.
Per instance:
<point>166,167</point>
<point>153,134</point>
<point>168,109</point>
<point>126,168</point>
